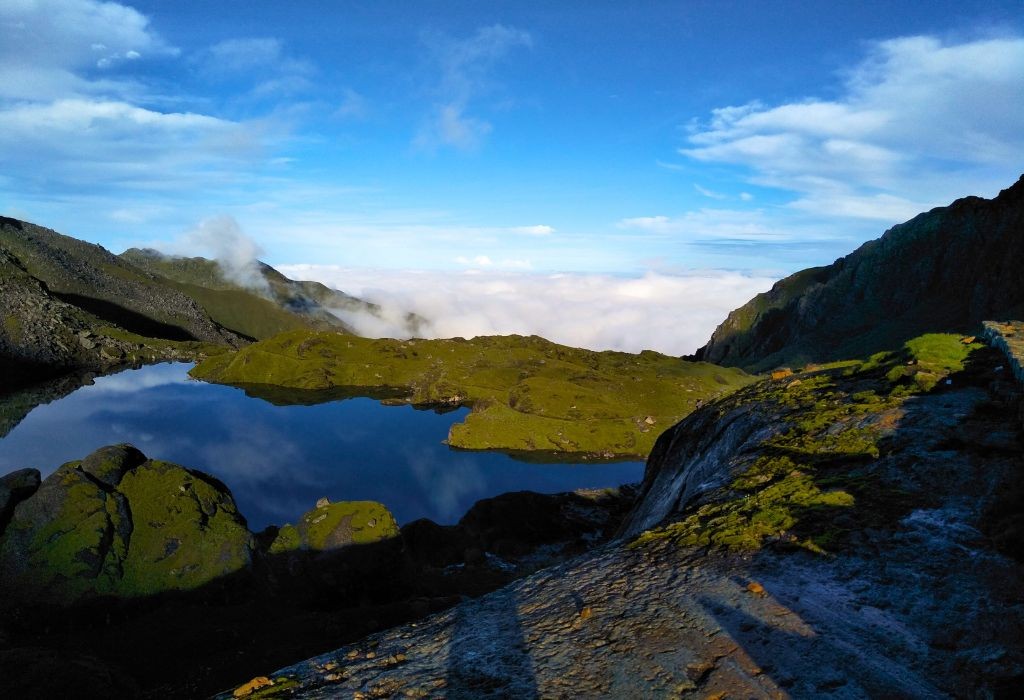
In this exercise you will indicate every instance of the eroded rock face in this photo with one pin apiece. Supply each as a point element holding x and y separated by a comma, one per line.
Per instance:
<point>117,523</point>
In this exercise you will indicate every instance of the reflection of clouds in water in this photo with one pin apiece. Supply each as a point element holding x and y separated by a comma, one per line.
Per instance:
<point>254,450</point>
<point>278,460</point>
<point>449,486</point>
<point>133,380</point>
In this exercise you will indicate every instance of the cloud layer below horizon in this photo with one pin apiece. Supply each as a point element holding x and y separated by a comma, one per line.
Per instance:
<point>672,314</point>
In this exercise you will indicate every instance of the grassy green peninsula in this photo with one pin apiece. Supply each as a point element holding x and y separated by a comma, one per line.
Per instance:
<point>526,393</point>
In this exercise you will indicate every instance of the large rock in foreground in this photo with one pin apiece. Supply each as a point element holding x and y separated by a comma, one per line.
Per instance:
<point>119,524</point>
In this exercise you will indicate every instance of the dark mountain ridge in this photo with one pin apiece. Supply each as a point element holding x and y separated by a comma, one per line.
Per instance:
<point>70,305</point>
<point>948,269</point>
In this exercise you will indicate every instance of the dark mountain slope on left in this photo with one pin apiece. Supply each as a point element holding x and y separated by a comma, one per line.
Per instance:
<point>70,305</point>
<point>95,280</point>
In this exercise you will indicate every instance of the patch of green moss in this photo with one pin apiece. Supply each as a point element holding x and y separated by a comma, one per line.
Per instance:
<point>526,393</point>
<point>287,540</point>
<point>12,327</point>
<point>145,349</point>
<point>187,531</point>
<point>810,477</point>
<point>337,525</point>
<point>283,685</point>
<point>745,522</point>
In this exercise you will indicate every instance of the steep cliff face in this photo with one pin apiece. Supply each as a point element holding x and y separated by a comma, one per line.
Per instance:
<point>945,270</point>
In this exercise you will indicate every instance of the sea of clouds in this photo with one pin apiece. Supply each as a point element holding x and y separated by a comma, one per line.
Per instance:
<point>671,313</point>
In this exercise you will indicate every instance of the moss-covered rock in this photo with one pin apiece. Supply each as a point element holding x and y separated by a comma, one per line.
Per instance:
<point>801,458</point>
<point>116,523</point>
<point>334,525</point>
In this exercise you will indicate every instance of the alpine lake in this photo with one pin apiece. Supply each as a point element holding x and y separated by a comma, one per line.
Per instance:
<point>279,459</point>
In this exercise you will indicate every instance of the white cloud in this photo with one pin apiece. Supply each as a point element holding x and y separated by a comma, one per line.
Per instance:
<point>917,123</point>
<point>222,239</point>
<point>710,194</point>
<point>48,42</point>
<point>674,314</point>
<point>248,56</point>
<point>262,62</point>
<point>478,261</point>
<point>538,230</point>
<point>78,142</point>
<point>716,224</point>
<point>463,68</point>
<point>450,126</point>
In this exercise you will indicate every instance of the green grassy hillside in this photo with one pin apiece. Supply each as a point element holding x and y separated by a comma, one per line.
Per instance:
<point>527,393</point>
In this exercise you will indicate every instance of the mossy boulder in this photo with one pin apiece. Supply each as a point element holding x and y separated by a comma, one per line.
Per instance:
<point>331,526</point>
<point>119,524</point>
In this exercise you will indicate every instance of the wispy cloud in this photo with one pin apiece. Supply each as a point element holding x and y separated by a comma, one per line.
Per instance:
<point>710,194</point>
<point>353,105</point>
<point>76,117</point>
<point>222,239</point>
<point>537,230</point>
<point>88,143</point>
<point>717,224</point>
<point>261,62</point>
<point>59,48</point>
<point>674,314</point>
<point>913,112</point>
<point>463,68</point>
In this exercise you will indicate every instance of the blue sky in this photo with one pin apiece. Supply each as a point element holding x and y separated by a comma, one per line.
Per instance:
<point>507,137</point>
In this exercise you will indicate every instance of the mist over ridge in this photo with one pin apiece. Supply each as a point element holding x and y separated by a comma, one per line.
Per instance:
<point>672,314</point>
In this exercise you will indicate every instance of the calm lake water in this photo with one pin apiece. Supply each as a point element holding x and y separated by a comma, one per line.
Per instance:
<point>278,460</point>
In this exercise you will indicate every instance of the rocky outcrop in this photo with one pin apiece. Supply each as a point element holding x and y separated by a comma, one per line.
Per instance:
<point>332,526</point>
<point>945,270</point>
<point>119,524</point>
<point>93,279</point>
